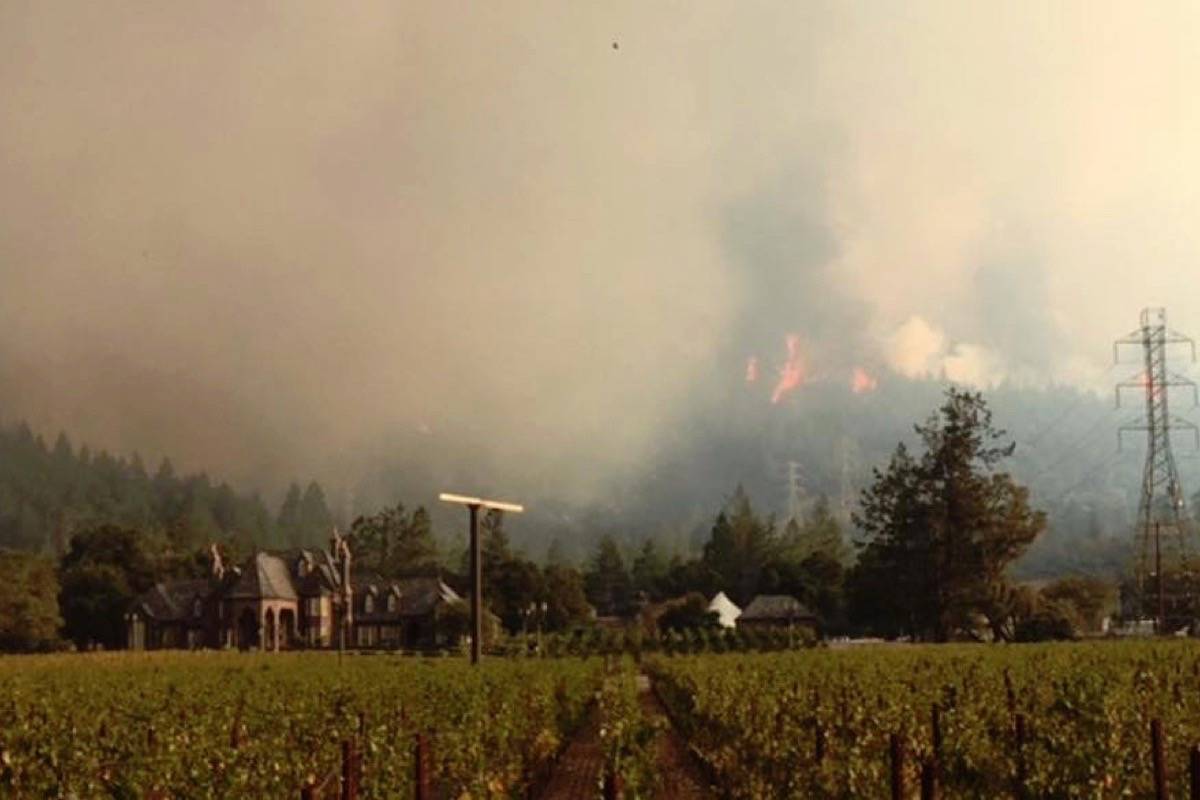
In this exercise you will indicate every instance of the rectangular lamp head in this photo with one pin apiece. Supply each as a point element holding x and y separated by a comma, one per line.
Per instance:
<point>498,505</point>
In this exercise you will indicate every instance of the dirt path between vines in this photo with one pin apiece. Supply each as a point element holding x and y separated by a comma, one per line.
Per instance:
<point>681,777</point>
<point>577,774</point>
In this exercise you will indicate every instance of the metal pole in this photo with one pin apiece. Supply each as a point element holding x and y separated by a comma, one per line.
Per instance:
<point>473,505</point>
<point>476,587</point>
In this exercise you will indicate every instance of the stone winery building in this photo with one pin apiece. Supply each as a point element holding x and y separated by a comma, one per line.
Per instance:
<point>291,600</point>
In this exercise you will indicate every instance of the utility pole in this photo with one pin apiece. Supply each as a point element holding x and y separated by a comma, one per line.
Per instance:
<point>1162,508</point>
<point>473,505</point>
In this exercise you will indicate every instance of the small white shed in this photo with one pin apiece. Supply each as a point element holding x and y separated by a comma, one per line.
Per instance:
<point>727,612</point>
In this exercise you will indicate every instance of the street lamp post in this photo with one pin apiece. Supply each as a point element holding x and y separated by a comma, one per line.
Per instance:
<point>473,505</point>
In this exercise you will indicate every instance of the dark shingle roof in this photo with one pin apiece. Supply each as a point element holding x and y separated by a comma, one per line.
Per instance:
<point>775,607</point>
<point>266,577</point>
<point>415,597</point>
<point>172,601</point>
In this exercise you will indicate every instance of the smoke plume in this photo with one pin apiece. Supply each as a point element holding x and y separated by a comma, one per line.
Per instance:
<point>289,240</point>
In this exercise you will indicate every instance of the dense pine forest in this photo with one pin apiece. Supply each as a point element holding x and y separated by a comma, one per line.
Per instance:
<point>49,492</point>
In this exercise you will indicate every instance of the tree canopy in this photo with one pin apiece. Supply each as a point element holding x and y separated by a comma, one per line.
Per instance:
<point>29,615</point>
<point>940,528</point>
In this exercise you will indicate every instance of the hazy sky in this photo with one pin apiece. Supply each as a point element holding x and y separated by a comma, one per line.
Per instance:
<point>267,238</point>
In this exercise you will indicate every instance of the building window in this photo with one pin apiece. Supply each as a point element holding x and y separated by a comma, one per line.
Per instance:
<point>314,607</point>
<point>391,602</point>
<point>368,604</point>
<point>197,608</point>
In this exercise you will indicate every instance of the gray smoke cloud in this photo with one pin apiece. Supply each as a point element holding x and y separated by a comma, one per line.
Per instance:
<point>524,241</point>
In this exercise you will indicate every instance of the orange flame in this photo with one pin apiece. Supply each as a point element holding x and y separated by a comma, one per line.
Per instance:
<point>791,374</point>
<point>862,382</point>
<point>752,369</point>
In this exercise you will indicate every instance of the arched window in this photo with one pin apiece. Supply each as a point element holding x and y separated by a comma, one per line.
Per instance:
<point>369,604</point>
<point>391,601</point>
<point>197,607</point>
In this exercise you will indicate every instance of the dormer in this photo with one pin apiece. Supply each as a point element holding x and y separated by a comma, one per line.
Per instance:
<point>370,593</point>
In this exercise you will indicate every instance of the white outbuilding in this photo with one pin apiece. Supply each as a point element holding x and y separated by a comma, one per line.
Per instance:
<point>726,611</point>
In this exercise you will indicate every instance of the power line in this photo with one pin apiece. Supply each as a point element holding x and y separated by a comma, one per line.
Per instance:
<point>1053,424</point>
<point>1087,437</point>
<point>1112,461</point>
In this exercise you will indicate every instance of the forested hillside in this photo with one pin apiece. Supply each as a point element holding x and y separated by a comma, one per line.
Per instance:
<point>1066,453</point>
<point>47,493</point>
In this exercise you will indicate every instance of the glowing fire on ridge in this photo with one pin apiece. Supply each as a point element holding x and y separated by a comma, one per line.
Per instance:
<point>791,374</point>
<point>752,370</point>
<point>862,382</point>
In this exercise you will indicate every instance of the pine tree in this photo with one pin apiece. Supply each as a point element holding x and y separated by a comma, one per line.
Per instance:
<point>740,548</point>
<point>607,580</point>
<point>942,529</point>
<point>649,571</point>
<point>289,520</point>
<point>316,521</point>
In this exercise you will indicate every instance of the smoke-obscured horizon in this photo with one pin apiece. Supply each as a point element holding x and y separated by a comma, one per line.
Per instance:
<point>538,251</point>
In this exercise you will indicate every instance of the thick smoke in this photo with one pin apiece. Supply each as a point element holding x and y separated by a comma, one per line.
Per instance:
<point>289,240</point>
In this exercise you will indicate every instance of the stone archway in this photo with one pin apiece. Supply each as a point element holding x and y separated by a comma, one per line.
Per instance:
<point>247,629</point>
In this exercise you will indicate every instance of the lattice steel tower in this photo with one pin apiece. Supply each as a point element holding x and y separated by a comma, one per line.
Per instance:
<point>1163,529</point>
<point>797,498</point>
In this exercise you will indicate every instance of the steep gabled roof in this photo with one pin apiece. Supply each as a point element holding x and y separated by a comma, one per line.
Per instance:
<point>420,595</point>
<point>775,607</point>
<point>727,612</point>
<point>266,577</point>
<point>416,597</point>
<point>172,601</point>
<point>319,581</point>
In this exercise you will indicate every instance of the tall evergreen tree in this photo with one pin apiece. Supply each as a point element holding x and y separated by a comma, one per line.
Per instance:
<point>941,529</point>
<point>741,547</point>
<point>607,580</point>
<point>393,542</point>
<point>649,571</point>
<point>316,521</point>
<point>289,521</point>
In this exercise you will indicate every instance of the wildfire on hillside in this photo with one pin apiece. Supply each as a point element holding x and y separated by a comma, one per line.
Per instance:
<point>791,374</point>
<point>863,382</point>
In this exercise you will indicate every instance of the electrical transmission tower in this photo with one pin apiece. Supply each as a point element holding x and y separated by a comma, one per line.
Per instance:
<point>797,499</point>
<point>1163,529</point>
<point>850,456</point>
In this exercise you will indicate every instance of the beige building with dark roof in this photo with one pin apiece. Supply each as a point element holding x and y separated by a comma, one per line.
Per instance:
<point>287,600</point>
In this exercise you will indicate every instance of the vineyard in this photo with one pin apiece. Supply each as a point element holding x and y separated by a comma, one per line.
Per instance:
<point>1065,721</point>
<point>1070,720</point>
<point>211,725</point>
